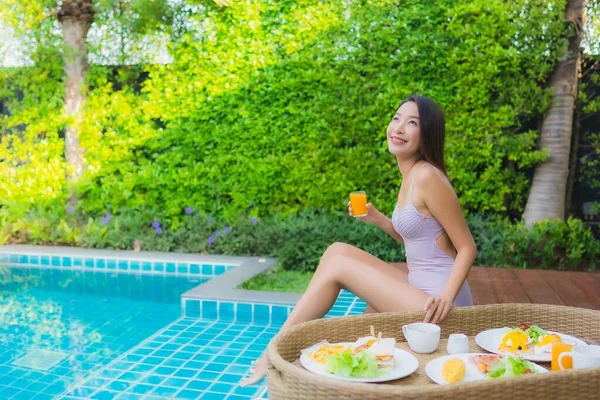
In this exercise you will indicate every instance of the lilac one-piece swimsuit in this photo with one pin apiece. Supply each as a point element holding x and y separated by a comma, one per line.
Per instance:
<point>428,266</point>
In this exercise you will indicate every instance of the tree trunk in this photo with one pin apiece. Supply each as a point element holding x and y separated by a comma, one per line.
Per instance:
<point>75,17</point>
<point>573,159</point>
<point>548,190</point>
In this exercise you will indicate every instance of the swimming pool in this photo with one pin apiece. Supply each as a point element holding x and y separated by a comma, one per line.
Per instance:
<point>73,331</point>
<point>57,326</point>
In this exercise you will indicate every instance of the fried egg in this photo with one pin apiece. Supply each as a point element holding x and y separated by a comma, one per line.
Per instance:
<point>515,342</point>
<point>544,344</point>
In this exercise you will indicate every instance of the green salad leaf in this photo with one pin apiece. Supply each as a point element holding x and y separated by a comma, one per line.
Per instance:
<point>511,366</point>
<point>534,332</point>
<point>361,365</point>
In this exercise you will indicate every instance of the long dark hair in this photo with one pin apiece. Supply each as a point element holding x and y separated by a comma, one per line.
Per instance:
<point>433,131</point>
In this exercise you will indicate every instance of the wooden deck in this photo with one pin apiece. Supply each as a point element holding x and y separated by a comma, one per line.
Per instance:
<point>504,285</point>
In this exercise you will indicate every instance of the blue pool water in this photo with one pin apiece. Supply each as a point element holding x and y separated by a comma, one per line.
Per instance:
<point>97,334</point>
<point>80,320</point>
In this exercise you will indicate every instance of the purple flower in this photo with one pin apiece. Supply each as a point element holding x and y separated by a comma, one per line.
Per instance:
<point>254,220</point>
<point>158,230</point>
<point>211,240</point>
<point>189,210</point>
<point>217,234</point>
<point>156,224</point>
<point>70,209</point>
<point>106,218</point>
<point>197,214</point>
<point>209,220</point>
<point>227,229</point>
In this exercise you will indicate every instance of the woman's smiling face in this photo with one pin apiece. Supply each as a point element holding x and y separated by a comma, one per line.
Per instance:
<point>403,132</point>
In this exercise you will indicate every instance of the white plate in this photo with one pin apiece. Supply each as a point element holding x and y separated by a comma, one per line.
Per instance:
<point>490,340</point>
<point>404,365</point>
<point>433,369</point>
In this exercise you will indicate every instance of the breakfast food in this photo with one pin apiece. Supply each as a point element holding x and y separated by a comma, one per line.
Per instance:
<point>527,339</point>
<point>511,366</point>
<point>454,370</point>
<point>544,343</point>
<point>383,350</point>
<point>369,356</point>
<point>484,362</point>
<point>365,342</point>
<point>325,349</point>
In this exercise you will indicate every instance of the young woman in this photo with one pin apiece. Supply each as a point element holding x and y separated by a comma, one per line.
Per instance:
<point>427,219</point>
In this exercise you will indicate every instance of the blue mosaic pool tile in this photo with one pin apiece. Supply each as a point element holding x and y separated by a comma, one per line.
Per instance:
<point>207,269</point>
<point>244,312</point>
<point>208,309</point>
<point>226,311</point>
<point>169,268</point>
<point>192,308</point>
<point>215,357</point>
<point>219,269</point>
<point>279,314</point>
<point>142,388</point>
<point>197,384</point>
<point>261,313</point>
<point>191,394</point>
<point>183,268</point>
<point>165,391</point>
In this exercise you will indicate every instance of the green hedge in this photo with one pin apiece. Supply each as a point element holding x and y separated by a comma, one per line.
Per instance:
<point>300,240</point>
<point>272,107</point>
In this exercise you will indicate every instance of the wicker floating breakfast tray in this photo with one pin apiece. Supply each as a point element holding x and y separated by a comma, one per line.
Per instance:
<point>287,380</point>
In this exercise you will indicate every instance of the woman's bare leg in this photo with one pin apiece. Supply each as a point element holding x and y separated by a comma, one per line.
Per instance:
<point>401,272</point>
<point>347,267</point>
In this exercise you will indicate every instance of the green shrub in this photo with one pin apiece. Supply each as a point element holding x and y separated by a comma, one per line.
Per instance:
<point>547,245</point>
<point>275,106</point>
<point>298,241</point>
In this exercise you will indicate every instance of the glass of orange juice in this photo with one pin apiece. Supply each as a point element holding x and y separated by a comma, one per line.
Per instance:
<point>358,202</point>
<point>557,349</point>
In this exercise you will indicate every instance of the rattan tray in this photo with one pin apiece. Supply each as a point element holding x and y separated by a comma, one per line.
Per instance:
<point>287,380</point>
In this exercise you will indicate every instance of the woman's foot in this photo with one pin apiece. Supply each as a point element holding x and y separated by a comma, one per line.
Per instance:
<point>260,371</point>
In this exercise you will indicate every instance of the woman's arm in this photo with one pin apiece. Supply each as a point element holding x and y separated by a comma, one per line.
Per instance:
<point>379,219</point>
<point>442,202</point>
<point>385,224</point>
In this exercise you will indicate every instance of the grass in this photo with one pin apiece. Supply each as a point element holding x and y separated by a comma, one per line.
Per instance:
<point>279,280</point>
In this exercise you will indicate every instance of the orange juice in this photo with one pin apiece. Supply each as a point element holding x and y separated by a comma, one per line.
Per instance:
<point>557,349</point>
<point>358,202</point>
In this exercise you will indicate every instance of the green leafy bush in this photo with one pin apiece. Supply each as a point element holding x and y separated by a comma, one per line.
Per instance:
<point>273,107</point>
<point>300,240</point>
<point>548,245</point>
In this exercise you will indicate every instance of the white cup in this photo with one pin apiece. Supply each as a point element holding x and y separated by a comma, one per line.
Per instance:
<point>583,356</point>
<point>457,343</point>
<point>422,337</point>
